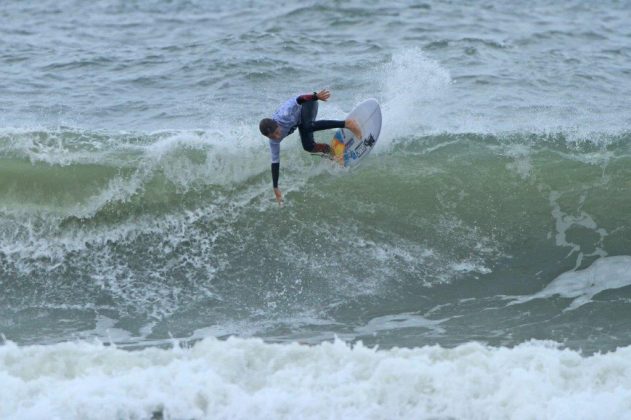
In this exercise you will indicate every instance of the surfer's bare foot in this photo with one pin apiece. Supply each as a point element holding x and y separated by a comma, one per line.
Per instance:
<point>354,127</point>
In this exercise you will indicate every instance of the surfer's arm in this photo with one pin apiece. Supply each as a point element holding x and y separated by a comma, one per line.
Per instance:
<point>274,147</point>
<point>323,95</point>
<point>307,98</point>
<point>277,193</point>
<point>275,173</point>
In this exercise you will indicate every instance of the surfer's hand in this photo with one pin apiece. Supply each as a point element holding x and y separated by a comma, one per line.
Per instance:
<point>354,127</point>
<point>279,196</point>
<point>323,95</point>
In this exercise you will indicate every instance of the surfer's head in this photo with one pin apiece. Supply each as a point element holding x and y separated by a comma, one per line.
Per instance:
<point>269,128</point>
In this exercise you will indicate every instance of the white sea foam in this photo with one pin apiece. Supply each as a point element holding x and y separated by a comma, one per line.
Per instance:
<point>604,274</point>
<point>399,321</point>
<point>521,164</point>
<point>564,222</point>
<point>249,379</point>
<point>412,84</point>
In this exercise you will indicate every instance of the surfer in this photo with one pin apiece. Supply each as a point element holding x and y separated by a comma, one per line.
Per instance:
<point>300,112</point>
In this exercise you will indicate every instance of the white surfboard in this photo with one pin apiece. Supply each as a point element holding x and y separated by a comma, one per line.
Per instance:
<point>350,151</point>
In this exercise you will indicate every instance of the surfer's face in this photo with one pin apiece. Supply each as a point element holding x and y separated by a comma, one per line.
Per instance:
<point>275,135</point>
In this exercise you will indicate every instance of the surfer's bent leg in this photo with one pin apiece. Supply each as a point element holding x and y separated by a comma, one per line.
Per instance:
<point>307,115</point>
<point>308,125</point>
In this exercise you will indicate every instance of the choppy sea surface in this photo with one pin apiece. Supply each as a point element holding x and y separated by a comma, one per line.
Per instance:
<point>476,265</point>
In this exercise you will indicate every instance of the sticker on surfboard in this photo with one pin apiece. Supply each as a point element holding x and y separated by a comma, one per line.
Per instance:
<point>349,151</point>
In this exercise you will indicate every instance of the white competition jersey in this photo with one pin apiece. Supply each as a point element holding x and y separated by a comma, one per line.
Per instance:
<point>287,116</point>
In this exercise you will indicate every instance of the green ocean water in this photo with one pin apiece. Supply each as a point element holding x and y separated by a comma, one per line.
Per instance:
<point>433,239</point>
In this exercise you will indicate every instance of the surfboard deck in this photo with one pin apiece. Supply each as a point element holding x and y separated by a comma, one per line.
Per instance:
<point>349,151</point>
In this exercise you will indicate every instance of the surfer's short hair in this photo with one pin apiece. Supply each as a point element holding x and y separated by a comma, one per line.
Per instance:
<point>267,126</point>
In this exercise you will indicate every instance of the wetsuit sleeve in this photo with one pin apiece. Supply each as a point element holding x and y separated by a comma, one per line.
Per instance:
<point>274,148</point>
<point>275,172</point>
<point>306,98</point>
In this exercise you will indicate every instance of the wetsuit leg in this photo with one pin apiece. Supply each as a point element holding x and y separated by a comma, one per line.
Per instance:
<point>308,125</point>
<point>307,116</point>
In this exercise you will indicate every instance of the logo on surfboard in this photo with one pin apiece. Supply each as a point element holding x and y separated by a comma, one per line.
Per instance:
<point>364,146</point>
